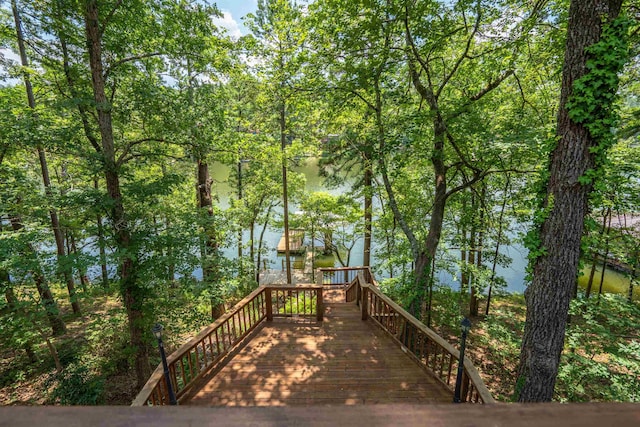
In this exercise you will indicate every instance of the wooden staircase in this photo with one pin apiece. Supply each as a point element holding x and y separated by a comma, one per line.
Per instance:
<point>339,341</point>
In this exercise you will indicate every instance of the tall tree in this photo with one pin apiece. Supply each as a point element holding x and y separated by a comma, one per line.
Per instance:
<point>276,24</point>
<point>595,52</point>
<point>437,69</point>
<point>131,289</point>
<point>44,167</point>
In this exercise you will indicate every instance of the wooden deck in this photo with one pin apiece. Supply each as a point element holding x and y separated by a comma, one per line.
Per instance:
<point>342,360</point>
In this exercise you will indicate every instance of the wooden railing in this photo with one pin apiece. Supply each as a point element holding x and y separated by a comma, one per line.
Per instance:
<point>421,343</point>
<point>353,289</point>
<point>207,349</point>
<point>343,275</point>
<point>297,302</point>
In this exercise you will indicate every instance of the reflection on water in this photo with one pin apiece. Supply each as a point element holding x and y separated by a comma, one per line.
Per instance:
<point>614,282</point>
<point>324,261</point>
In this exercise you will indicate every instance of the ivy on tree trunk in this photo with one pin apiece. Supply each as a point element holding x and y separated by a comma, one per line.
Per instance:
<point>573,165</point>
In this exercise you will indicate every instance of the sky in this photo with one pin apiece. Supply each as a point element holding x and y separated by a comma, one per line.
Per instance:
<point>233,11</point>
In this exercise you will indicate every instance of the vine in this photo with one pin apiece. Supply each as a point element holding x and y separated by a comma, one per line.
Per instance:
<point>592,101</point>
<point>591,104</point>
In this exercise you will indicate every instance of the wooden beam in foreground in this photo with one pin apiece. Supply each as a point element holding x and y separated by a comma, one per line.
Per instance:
<point>541,414</point>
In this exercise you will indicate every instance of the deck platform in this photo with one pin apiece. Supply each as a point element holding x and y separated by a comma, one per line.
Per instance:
<point>340,341</point>
<point>342,360</point>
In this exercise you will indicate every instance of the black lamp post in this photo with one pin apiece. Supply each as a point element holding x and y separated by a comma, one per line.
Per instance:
<point>465,326</point>
<point>157,332</point>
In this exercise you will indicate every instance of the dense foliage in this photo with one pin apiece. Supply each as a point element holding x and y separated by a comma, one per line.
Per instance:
<point>147,158</point>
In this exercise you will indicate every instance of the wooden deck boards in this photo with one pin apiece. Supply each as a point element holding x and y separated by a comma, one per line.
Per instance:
<point>342,360</point>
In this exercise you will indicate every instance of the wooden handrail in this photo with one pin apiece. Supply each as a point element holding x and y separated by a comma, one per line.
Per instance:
<point>300,301</point>
<point>424,345</point>
<point>199,354</point>
<point>352,291</point>
<point>413,336</point>
<point>204,351</point>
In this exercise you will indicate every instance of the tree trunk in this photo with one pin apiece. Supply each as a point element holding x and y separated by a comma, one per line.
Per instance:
<point>368,199</point>
<point>555,271</point>
<point>594,259</point>
<point>210,271</point>
<point>496,253</point>
<point>132,293</point>
<point>473,298</point>
<point>632,279</point>
<point>240,228</point>
<point>44,168</point>
<point>82,272</point>
<point>476,250</point>
<point>101,245</point>
<point>50,306</point>
<point>12,305</point>
<point>260,242</point>
<point>285,196</point>
<point>427,255</point>
<point>171,264</point>
<point>606,253</point>
<point>464,244</point>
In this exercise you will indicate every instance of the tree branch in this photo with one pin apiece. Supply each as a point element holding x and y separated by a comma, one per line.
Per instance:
<point>426,93</point>
<point>464,55</point>
<point>491,86</point>
<point>106,20</point>
<point>369,104</point>
<point>463,159</point>
<point>129,59</point>
<point>123,157</point>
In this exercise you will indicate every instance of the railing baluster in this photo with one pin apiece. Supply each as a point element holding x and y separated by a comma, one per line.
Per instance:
<point>229,335</point>
<point>154,400</point>
<point>269,304</point>
<point>190,359</point>
<point>174,377</point>
<point>184,377</point>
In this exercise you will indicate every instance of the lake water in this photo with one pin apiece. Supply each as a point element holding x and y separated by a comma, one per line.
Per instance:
<point>514,274</point>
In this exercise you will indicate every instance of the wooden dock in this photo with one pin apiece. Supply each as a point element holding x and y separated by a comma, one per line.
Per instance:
<point>296,242</point>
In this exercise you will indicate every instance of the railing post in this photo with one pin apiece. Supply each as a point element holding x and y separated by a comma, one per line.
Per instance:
<point>458,393</point>
<point>361,281</point>
<point>364,307</point>
<point>319,277</point>
<point>269,302</point>
<point>346,277</point>
<point>319,305</point>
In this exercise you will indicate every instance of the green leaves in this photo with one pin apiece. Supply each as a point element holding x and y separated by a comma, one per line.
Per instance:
<point>591,102</point>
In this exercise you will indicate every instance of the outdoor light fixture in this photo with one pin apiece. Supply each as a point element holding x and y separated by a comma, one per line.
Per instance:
<point>157,332</point>
<point>465,326</point>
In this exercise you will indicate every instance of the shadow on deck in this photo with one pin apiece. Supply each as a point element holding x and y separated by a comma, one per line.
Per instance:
<point>341,360</point>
